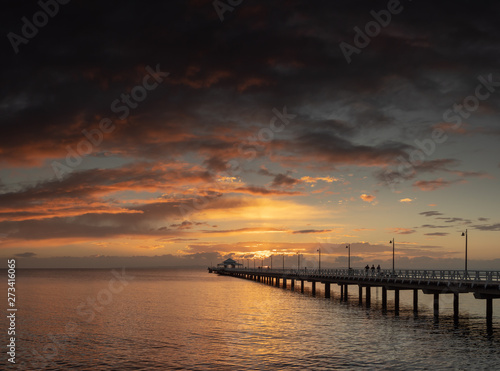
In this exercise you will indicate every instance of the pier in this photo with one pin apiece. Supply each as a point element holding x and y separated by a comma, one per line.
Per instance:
<point>484,285</point>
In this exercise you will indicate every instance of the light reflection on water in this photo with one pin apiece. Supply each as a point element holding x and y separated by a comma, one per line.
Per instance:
<point>179,319</point>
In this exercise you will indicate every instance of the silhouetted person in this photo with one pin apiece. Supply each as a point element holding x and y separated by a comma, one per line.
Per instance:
<point>366,268</point>
<point>373,269</point>
<point>378,269</point>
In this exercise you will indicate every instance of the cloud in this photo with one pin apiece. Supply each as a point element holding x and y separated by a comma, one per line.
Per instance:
<point>246,230</point>
<point>284,180</point>
<point>256,190</point>
<point>435,226</point>
<point>451,128</point>
<point>430,213</point>
<point>367,198</point>
<point>437,234</point>
<point>186,224</point>
<point>309,179</point>
<point>26,255</point>
<point>406,200</point>
<point>307,231</point>
<point>433,185</point>
<point>402,230</point>
<point>488,227</point>
<point>454,220</point>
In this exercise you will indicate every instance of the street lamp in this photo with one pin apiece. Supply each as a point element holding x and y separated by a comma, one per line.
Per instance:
<point>392,255</point>
<point>283,262</point>
<point>271,261</point>
<point>465,235</point>
<point>319,258</point>
<point>298,260</point>
<point>349,256</point>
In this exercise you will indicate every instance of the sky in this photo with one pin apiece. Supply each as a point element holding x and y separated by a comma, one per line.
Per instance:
<point>180,133</point>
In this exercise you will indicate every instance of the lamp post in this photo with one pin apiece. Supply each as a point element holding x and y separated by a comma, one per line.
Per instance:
<point>319,258</point>
<point>349,257</point>
<point>298,260</point>
<point>271,261</point>
<point>283,262</point>
<point>392,255</point>
<point>465,235</point>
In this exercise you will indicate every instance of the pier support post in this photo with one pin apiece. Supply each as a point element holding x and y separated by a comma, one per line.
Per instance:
<point>396,302</point>
<point>455,306</point>
<point>368,296</point>
<point>360,295</point>
<point>415,300</point>
<point>292,284</point>
<point>436,305</point>
<point>327,290</point>
<point>489,313</point>
<point>277,281</point>
<point>302,286</point>
<point>284,282</point>
<point>341,292</point>
<point>314,288</point>
<point>345,292</point>
<point>384,299</point>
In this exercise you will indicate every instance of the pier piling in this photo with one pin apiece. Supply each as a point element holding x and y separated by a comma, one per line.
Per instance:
<point>384,299</point>
<point>396,302</point>
<point>436,304</point>
<point>415,301</point>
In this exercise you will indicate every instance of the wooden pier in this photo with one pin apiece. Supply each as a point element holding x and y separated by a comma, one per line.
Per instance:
<point>483,284</point>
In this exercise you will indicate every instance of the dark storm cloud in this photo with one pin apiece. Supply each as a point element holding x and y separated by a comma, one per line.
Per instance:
<point>224,81</point>
<point>92,52</point>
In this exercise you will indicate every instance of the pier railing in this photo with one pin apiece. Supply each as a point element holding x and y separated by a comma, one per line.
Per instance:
<point>384,274</point>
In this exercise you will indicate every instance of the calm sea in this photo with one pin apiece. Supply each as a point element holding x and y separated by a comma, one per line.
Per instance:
<point>169,319</point>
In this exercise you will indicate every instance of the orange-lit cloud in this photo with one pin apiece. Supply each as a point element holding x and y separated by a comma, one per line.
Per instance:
<point>402,230</point>
<point>367,198</point>
<point>433,185</point>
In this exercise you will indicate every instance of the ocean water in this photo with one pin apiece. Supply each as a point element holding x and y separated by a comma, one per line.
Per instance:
<point>168,319</point>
